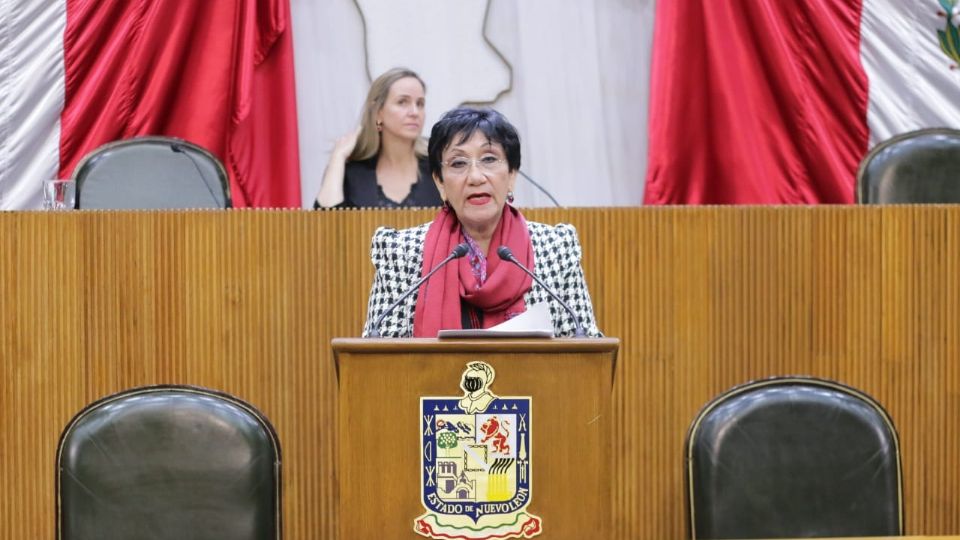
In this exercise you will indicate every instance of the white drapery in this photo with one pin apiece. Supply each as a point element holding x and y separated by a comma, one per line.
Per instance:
<point>580,72</point>
<point>31,98</point>
<point>912,83</point>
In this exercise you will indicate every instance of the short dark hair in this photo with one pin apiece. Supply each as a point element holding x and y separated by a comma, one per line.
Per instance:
<point>461,123</point>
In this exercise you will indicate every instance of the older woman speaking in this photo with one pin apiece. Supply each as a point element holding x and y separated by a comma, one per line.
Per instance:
<point>474,156</point>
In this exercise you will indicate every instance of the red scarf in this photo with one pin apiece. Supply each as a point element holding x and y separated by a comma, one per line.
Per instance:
<point>499,298</point>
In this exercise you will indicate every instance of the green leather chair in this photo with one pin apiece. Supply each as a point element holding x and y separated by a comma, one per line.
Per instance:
<point>168,463</point>
<point>916,167</point>
<point>148,173</point>
<point>793,457</point>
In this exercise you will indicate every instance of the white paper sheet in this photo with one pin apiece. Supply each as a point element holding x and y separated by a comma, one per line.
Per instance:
<point>534,322</point>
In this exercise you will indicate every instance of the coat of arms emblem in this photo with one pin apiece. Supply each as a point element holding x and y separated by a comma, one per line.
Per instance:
<point>949,37</point>
<point>475,465</point>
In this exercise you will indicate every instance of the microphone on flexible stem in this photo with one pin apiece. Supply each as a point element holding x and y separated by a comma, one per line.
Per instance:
<point>507,255</point>
<point>538,186</point>
<point>457,252</point>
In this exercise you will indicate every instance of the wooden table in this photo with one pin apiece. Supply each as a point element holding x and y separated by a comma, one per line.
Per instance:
<point>701,298</point>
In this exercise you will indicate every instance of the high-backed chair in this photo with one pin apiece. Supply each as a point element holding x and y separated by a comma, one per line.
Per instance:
<point>791,458</point>
<point>151,173</point>
<point>916,167</point>
<point>168,463</point>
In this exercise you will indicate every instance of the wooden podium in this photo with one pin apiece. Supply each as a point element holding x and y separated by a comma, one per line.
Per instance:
<point>381,382</point>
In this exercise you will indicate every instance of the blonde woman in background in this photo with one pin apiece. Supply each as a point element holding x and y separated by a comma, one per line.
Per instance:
<point>383,162</point>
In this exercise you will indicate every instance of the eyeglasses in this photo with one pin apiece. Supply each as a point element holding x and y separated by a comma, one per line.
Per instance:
<point>459,166</point>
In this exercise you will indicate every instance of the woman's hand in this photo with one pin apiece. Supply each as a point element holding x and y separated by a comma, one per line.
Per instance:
<point>345,145</point>
<point>331,190</point>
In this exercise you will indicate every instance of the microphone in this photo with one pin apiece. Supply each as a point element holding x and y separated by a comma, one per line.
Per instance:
<point>541,188</point>
<point>178,148</point>
<point>505,254</point>
<point>457,252</point>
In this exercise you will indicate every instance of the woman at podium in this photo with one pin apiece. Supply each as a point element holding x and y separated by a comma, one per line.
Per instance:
<point>475,246</point>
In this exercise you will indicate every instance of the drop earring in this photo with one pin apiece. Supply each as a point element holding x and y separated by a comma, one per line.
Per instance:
<point>510,197</point>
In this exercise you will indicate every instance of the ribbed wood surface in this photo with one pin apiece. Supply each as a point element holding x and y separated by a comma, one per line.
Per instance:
<point>701,298</point>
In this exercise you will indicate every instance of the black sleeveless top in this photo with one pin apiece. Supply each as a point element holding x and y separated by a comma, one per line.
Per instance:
<point>361,190</point>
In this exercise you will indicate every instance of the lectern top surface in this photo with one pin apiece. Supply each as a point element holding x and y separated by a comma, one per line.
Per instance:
<point>369,345</point>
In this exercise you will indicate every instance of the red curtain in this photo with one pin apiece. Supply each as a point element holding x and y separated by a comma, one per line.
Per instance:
<point>216,73</point>
<point>756,102</point>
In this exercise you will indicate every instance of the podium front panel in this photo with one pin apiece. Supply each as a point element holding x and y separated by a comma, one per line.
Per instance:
<point>380,428</point>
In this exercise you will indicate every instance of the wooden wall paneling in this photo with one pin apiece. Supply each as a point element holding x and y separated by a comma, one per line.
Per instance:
<point>899,347</point>
<point>702,298</point>
<point>926,360</point>
<point>312,406</point>
<point>39,336</point>
<point>948,506</point>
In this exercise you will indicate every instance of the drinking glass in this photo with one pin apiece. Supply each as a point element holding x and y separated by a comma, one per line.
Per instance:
<point>59,194</point>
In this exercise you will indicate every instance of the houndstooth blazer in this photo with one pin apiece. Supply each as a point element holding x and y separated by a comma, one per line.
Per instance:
<point>397,256</point>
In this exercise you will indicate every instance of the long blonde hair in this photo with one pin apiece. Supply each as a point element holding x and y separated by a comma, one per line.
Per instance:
<point>368,142</point>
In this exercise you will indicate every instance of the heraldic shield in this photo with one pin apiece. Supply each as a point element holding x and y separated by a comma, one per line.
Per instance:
<point>476,463</point>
